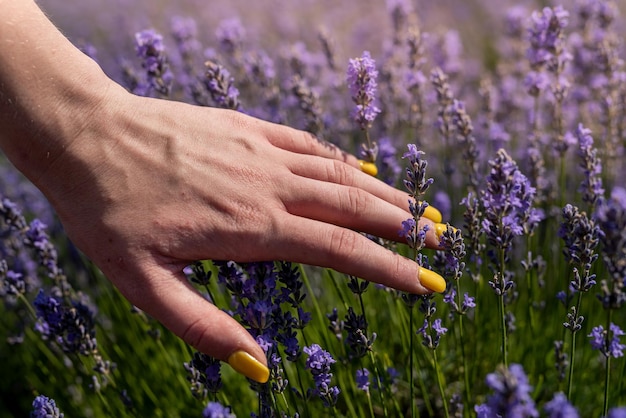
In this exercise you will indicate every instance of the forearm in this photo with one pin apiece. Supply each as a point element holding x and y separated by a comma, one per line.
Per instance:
<point>47,89</point>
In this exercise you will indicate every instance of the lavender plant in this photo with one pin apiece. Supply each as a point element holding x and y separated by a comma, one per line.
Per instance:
<point>535,85</point>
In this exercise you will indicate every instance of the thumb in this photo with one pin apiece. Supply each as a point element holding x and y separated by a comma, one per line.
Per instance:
<point>167,296</point>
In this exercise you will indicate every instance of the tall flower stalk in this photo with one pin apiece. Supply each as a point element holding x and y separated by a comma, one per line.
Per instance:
<point>362,84</point>
<point>581,236</point>
<point>416,184</point>
<point>507,200</point>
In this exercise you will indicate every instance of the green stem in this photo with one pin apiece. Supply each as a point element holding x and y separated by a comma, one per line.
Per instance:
<point>440,384</point>
<point>369,403</point>
<point>572,352</point>
<point>505,359</point>
<point>463,354</point>
<point>411,366</point>
<point>607,369</point>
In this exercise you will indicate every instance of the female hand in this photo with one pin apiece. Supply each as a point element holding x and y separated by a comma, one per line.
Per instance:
<point>144,187</point>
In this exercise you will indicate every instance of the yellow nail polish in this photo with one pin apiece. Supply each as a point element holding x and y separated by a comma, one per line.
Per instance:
<point>433,214</point>
<point>368,168</point>
<point>248,366</point>
<point>440,229</point>
<point>431,280</point>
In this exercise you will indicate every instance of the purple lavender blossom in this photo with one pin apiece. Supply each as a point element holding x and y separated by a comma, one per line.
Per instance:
<point>357,340</point>
<point>230,34</point>
<point>619,412</point>
<point>318,363</point>
<point>221,87</point>
<point>432,332</point>
<point>204,375</point>
<point>611,218</point>
<point>416,182</point>
<point>608,342</point>
<point>389,170</point>
<point>11,282</point>
<point>151,50</point>
<point>545,34</point>
<point>363,379</point>
<point>217,410</point>
<point>591,186</point>
<point>507,201</point>
<point>71,327</point>
<point>581,236</point>
<point>510,397</point>
<point>559,407</point>
<point>44,407</point>
<point>362,76</point>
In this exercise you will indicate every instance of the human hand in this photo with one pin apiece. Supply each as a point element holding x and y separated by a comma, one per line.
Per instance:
<point>151,185</point>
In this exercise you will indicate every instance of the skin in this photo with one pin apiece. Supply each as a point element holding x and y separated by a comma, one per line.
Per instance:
<point>144,186</point>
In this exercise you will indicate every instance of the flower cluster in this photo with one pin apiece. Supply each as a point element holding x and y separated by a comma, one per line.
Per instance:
<point>151,50</point>
<point>44,407</point>
<point>318,363</point>
<point>362,76</point>
<point>608,341</point>
<point>511,395</point>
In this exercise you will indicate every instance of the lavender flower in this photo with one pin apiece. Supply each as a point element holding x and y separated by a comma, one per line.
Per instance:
<point>432,333</point>
<point>510,397</point>
<point>389,170</point>
<point>608,342</point>
<point>591,186</point>
<point>357,340</point>
<point>611,218</point>
<point>220,86</point>
<point>71,327</point>
<point>230,35</point>
<point>204,374</point>
<point>416,182</point>
<point>318,363</point>
<point>559,407</point>
<point>11,282</point>
<point>617,413</point>
<point>465,137</point>
<point>151,50</point>
<point>507,201</point>
<point>217,410</point>
<point>545,34</point>
<point>362,76</point>
<point>363,379</point>
<point>44,407</point>
<point>581,236</point>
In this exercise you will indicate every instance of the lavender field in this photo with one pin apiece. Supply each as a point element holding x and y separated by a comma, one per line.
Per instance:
<point>509,117</point>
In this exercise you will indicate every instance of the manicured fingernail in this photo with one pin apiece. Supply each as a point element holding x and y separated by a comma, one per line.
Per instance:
<point>433,214</point>
<point>248,366</point>
<point>368,168</point>
<point>431,280</point>
<point>441,228</point>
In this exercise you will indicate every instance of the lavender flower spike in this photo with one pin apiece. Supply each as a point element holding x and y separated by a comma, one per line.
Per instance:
<point>362,76</point>
<point>511,395</point>
<point>149,47</point>
<point>319,363</point>
<point>44,407</point>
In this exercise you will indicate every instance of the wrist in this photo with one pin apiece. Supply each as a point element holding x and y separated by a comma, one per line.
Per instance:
<point>48,89</point>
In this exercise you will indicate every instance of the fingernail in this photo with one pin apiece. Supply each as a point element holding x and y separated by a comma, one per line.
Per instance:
<point>440,229</point>
<point>433,214</point>
<point>368,168</point>
<point>248,366</point>
<point>431,280</point>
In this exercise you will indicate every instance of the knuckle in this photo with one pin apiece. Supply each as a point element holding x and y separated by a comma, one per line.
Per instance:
<point>342,244</point>
<point>354,201</point>
<point>340,173</point>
